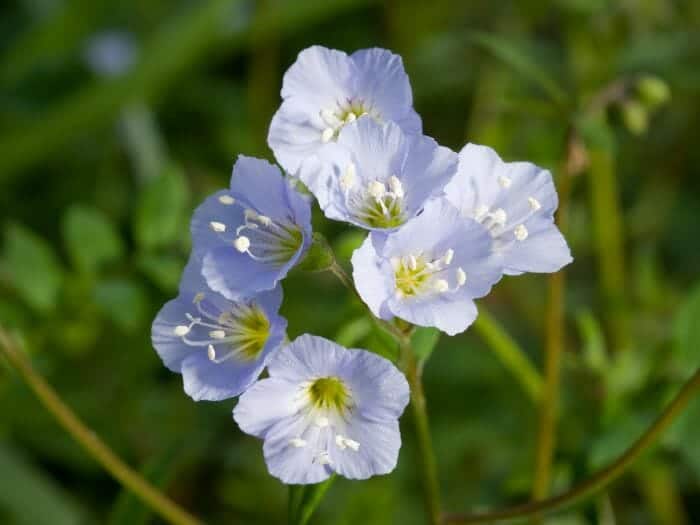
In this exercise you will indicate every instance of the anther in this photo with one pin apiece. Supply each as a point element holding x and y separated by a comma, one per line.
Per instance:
<point>461,277</point>
<point>504,182</point>
<point>396,186</point>
<point>297,442</point>
<point>242,244</point>
<point>217,334</point>
<point>351,117</point>
<point>441,285</point>
<point>227,200</point>
<point>327,135</point>
<point>534,203</point>
<point>352,444</point>
<point>449,255</point>
<point>181,330</point>
<point>412,262</point>
<point>218,227</point>
<point>499,216</point>
<point>264,220</point>
<point>376,189</point>
<point>198,298</point>
<point>480,212</point>
<point>340,441</point>
<point>211,353</point>
<point>347,180</point>
<point>250,214</point>
<point>520,232</point>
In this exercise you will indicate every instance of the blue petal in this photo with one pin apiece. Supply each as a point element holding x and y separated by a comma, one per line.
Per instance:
<point>205,380</point>
<point>171,349</point>
<point>264,404</point>
<point>544,251</point>
<point>374,285</point>
<point>378,453</point>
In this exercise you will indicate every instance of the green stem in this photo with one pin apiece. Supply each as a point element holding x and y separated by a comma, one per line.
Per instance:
<point>598,481</point>
<point>510,354</point>
<point>92,444</point>
<point>413,371</point>
<point>554,341</point>
<point>431,482</point>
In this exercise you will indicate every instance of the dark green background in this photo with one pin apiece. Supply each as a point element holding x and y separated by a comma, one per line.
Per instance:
<point>98,177</point>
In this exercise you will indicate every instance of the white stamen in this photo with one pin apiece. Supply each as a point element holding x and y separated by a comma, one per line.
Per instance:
<point>211,353</point>
<point>327,135</point>
<point>297,442</point>
<point>520,232</point>
<point>264,220</point>
<point>441,285</point>
<point>250,214</point>
<point>227,200</point>
<point>324,458</point>
<point>499,216</point>
<point>347,180</point>
<point>449,255</point>
<point>218,227</point>
<point>322,422</point>
<point>340,441</point>
<point>376,189</point>
<point>344,443</point>
<point>352,444</point>
<point>242,244</point>
<point>480,212</point>
<point>504,182</point>
<point>461,277</point>
<point>396,186</point>
<point>351,117</point>
<point>217,334</point>
<point>198,298</point>
<point>412,262</point>
<point>181,330</point>
<point>534,203</point>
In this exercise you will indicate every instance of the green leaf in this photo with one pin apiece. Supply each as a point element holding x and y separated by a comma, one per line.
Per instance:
<point>513,56</point>
<point>161,212</point>
<point>123,302</point>
<point>28,496</point>
<point>354,331</point>
<point>33,268</point>
<point>686,334</point>
<point>304,499</point>
<point>91,239</point>
<point>424,341</point>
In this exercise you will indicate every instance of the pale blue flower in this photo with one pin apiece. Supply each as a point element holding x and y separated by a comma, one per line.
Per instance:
<point>429,271</point>
<point>326,89</point>
<point>250,236</point>
<point>516,202</point>
<point>377,177</point>
<point>326,409</point>
<point>219,346</point>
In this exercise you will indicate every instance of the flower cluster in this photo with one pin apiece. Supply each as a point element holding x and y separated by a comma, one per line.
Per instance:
<point>443,228</point>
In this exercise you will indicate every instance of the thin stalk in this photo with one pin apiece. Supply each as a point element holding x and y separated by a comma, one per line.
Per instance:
<point>413,371</point>
<point>92,444</point>
<point>510,354</point>
<point>431,482</point>
<point>598,481</point>
<point>554,343</point>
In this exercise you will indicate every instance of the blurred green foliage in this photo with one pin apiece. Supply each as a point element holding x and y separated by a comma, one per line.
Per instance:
<point>99,172</point>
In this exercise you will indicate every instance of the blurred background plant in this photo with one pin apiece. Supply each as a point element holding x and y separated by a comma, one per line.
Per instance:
<point>117,118</point>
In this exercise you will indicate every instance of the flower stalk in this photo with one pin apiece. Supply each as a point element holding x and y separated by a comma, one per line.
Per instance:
<point>90,442</point>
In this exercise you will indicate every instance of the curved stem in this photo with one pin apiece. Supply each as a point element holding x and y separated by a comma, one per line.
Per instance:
<point>92,444</point>
<point>431,482</point>
<point>598,481</point>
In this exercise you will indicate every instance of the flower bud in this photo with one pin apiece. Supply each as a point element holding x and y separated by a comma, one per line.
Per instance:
<point>635,117</point>
<point>653,91</point>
